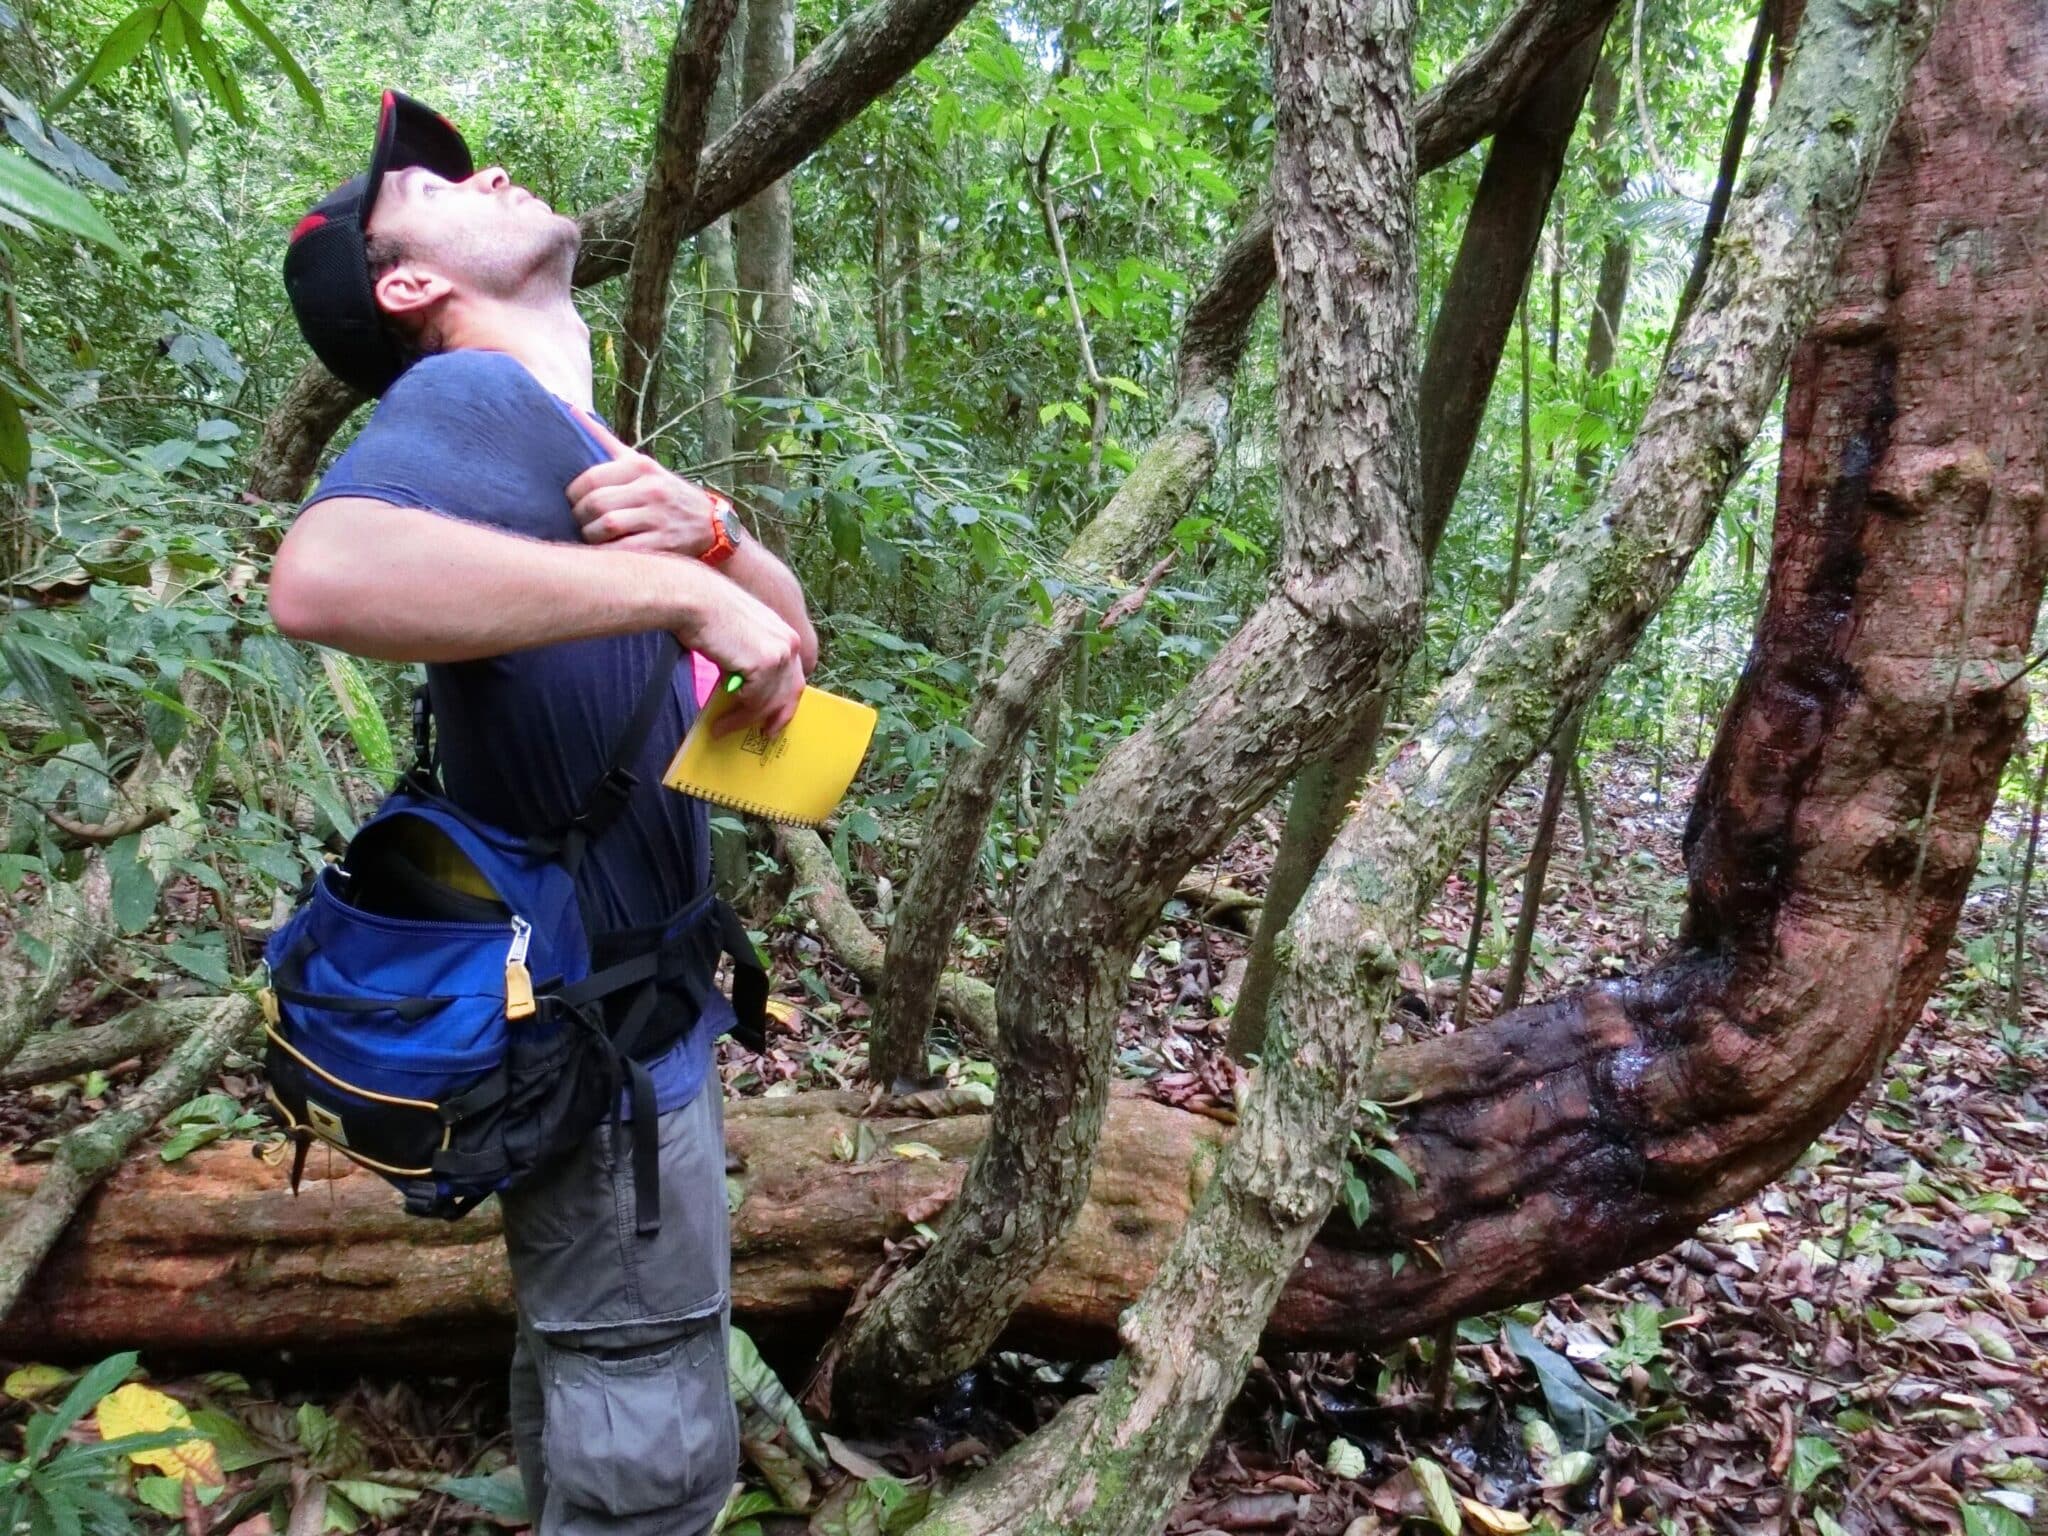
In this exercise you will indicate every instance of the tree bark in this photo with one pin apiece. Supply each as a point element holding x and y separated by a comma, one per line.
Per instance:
<point>1603,339</point>
<point>1499,84</point>
<point>297,432</point>
<point>1562,755</point>
<point>1488,277</point>
<point>1732,140</point>
<point>666,207</point>
<point>763,254</point>
<point>1345,606</point>
<point>969,1001</point>
<point>1155,495</point>
<point>1113,1463</point>
<point>719,357</point>
<point>94,1150</point>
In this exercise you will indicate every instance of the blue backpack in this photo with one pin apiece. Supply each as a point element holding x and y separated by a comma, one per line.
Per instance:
<point>438,1013</point>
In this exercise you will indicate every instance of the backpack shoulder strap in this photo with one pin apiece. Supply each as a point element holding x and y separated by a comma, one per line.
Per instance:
<point>605,799</point>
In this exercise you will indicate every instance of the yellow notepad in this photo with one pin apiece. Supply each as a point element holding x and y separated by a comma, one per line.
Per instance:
<point>797,777</point>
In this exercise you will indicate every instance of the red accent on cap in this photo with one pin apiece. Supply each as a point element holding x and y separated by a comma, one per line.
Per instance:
<point>307,225</point>
<point>385,110</point>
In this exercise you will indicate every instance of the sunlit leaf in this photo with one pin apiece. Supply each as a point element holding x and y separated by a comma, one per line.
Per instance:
<point>139,1410</point>
<point>29,190</point>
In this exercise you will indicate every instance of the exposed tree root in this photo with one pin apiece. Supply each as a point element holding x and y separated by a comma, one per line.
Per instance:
<point>968,1001</point>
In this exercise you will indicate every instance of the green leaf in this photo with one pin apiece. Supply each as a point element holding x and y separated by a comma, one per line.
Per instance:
<point>33,193</point>
<point>130,35</point>
<point>134,884</point>
<point>1390,1160</point>
<point>1583,1415</point>
<point>207,961</point>
<point>219,79</point>
<point>1981,1519</point>
<point>1357,1199</point>
<point>46,1428</point>
<point>501,1494</point>
<point>1812,1457</point>
<point>758,1391</point>
<point>14,448</point>
<point>1437,1494</point>
<point>380,1501</point>
<point>274,46</point>
<point>359,711</point>
<point>165,1495</point>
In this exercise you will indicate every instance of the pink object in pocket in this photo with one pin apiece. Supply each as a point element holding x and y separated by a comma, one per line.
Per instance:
<point>704,675</point>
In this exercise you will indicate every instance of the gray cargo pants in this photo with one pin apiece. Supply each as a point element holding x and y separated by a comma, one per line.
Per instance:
<point>621,1415</point>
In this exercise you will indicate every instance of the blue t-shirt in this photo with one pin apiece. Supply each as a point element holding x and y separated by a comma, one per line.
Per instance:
<point>471,434</point>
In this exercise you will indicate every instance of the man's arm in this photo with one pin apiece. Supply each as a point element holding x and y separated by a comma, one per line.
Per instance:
<point>632,502</point>
<point>403,584</point>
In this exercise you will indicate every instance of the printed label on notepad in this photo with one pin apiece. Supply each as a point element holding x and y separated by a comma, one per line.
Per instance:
<point>765,747</point>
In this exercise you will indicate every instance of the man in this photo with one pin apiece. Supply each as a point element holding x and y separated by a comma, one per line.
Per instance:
<point>484,523</point>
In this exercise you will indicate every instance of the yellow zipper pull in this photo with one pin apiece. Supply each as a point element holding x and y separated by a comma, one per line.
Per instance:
<point>519,1002</point>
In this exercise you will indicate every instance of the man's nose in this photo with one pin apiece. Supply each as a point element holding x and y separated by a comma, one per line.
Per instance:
<point>492,178</point>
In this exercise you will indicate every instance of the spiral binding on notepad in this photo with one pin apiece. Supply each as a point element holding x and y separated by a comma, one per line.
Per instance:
<point>756,808</point>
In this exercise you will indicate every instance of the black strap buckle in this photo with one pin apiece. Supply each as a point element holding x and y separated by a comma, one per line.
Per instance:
<point>607,799</point>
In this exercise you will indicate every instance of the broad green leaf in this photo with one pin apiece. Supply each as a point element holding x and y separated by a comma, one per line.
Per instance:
<point>1981,1519</point>
<point>1582,1414</point>
<point>759,1391</point>
<point>14,446</point>
<point>45,1429</point>
<point>29,190</point>
<point>1812,1457</point>
<point>380,1501</point>
<point>131,34</point>
<point>134,884</point>
<point>274,46</point>
<point>1437,1494</point>
<point>501,1494</point>
<point>359,712</point>
<point>1390,1160</point>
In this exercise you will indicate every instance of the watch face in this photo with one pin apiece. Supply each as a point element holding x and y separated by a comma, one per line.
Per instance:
<point>729,523</point>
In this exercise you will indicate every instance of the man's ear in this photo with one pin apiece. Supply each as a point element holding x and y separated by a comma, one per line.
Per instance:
<point>409,290</point>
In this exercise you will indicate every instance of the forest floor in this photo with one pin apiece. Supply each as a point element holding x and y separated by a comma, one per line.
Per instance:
<point>1861,1348</point>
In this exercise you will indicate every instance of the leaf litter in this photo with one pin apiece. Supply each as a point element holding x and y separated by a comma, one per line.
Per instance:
<point>1861,1348</point>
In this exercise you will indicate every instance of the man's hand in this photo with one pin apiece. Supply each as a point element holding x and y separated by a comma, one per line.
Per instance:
<point>743,634</point>
<point>632,502</point>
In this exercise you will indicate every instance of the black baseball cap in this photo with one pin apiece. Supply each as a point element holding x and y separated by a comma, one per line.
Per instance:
<point>327,271</point>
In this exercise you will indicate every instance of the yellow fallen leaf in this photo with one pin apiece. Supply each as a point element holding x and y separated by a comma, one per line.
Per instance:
<point>32,1381</point>
<point>917,1152</point>
<point>784,1013</point>
<point>139,1410</point>
<point>1495,1522</point>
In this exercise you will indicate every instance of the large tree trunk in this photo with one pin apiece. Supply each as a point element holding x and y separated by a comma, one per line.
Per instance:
<point>1345,605</point>
<point>694,64</point>
<point>763,253</point>
<point>1510,86</point>
<point>1495,257</point>
<point>1115,1462</point>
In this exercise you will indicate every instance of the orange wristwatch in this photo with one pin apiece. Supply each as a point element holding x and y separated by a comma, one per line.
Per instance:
<point>727,534</point>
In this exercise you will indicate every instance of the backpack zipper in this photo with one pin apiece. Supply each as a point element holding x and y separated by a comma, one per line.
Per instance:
<point>519,1002</point>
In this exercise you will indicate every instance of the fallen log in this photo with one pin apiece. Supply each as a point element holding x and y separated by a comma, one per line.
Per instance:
<point>215,1256</point>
